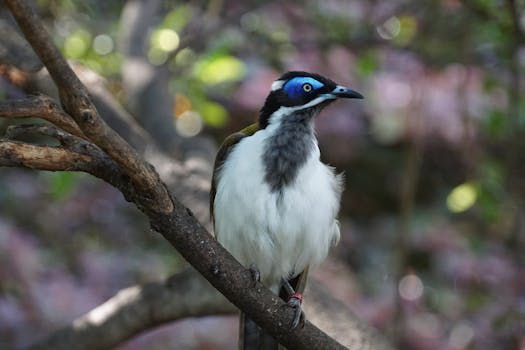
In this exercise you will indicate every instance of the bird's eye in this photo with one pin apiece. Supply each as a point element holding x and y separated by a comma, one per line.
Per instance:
<point>307,87</point>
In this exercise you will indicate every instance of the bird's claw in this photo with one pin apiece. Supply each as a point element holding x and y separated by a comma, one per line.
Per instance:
<point>254,271</point>
<point>295,302</point>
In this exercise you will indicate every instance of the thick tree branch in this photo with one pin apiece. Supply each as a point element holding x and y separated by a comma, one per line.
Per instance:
<point>179,227</point>
<point>188,179</point>
<point>121,166</point>
<point>137,309</point>
<point>76,101</point>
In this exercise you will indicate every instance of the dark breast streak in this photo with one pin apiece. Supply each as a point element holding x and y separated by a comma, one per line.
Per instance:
<point>288,149</point>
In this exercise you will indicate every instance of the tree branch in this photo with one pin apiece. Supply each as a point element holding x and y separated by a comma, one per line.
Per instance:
<point>40,107</point>
<point>188,179</point>
<point>225,271</point>
<point>20,154</point>
<point>74,154</point>
<point>76,101</point>
<point>138,308</point>
<point>122,167</point>
<point>80,155</point>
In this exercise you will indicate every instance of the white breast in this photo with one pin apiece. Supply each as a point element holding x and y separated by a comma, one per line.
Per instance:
<point>280,233</point>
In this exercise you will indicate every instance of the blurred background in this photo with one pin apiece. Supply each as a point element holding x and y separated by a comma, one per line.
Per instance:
<point>433,225</point>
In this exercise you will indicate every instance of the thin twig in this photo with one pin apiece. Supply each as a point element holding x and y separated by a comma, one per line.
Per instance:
<point>40,107</point>
<point>120,166</point>
<point>75,99</point>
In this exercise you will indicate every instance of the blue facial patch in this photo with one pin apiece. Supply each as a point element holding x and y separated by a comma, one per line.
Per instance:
<point>294,87</point>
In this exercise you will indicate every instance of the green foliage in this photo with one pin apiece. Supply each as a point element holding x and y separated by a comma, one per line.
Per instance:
<point>407,30</point>
<point>492,192</point>
<point>177,18</point>
<point>496,123</point>
<point>213,114</point>
<point>367,63</point>
<point>455,249</point>
<point>219,68</point>
<point>77,44</point>
<point>61,184</point>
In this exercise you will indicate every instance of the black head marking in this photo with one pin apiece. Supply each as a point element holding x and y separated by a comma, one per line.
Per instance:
<point>293,92</point>
<point>290,145</point>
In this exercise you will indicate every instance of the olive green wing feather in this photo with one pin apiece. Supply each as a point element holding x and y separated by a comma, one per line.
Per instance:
<point>223,153</point>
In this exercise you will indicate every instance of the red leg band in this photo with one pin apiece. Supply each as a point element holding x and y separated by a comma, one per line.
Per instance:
<point>298,296</point>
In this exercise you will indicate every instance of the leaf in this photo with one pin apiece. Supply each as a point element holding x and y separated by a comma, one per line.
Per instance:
<point>214,114</point>
<point>61,183</point>
<point>220,69</point>
<point>367,63</point>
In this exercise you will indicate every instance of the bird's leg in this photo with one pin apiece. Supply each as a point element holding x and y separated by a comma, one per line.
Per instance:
<point>295,301</point>
<point>254,271</point>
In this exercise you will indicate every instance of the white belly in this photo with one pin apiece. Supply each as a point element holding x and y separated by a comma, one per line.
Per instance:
<point>281,233</point>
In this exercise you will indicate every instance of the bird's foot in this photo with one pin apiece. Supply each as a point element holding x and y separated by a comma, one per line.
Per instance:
<point>256,275</point>
<point>295,302</point>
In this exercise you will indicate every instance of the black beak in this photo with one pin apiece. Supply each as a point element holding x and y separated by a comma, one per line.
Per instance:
<point>342,91</point>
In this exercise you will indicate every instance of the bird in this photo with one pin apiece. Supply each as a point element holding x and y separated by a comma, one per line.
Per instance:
<point>273,203</point>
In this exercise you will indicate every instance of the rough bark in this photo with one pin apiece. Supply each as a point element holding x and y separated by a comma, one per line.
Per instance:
<point>77,103</point>
<point>138,308</point>
<point>188,179</point>
<point>187,294</point>
<point>86,143</point>
<point>141,185</point>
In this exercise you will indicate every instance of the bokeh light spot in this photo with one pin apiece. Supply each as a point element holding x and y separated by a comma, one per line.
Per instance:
<point>182,105</point>
<point>185,56</point>
<point>77,44</point>
<point>462,198</point>
<point>103,44</point>
<point>220,69</point>
<point>165,39</point>
<point>388,129</point>
<point>189,124</point>
<point>157,57</point>
<point>407,30</point>
<point>410,287</point>
<point>461,336</point>
<point>214,114</point>
<point>425,324</point>
<point>398,93</point>
<point>390,28</point>
<point>251,21</point>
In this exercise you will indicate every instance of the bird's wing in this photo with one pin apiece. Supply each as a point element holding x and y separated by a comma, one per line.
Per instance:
<point>223,153</point>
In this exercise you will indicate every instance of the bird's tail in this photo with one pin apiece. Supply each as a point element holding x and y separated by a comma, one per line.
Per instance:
<point>252,337</point>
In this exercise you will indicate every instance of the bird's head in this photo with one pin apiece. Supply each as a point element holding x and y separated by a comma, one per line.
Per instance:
<point>301,91</point>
